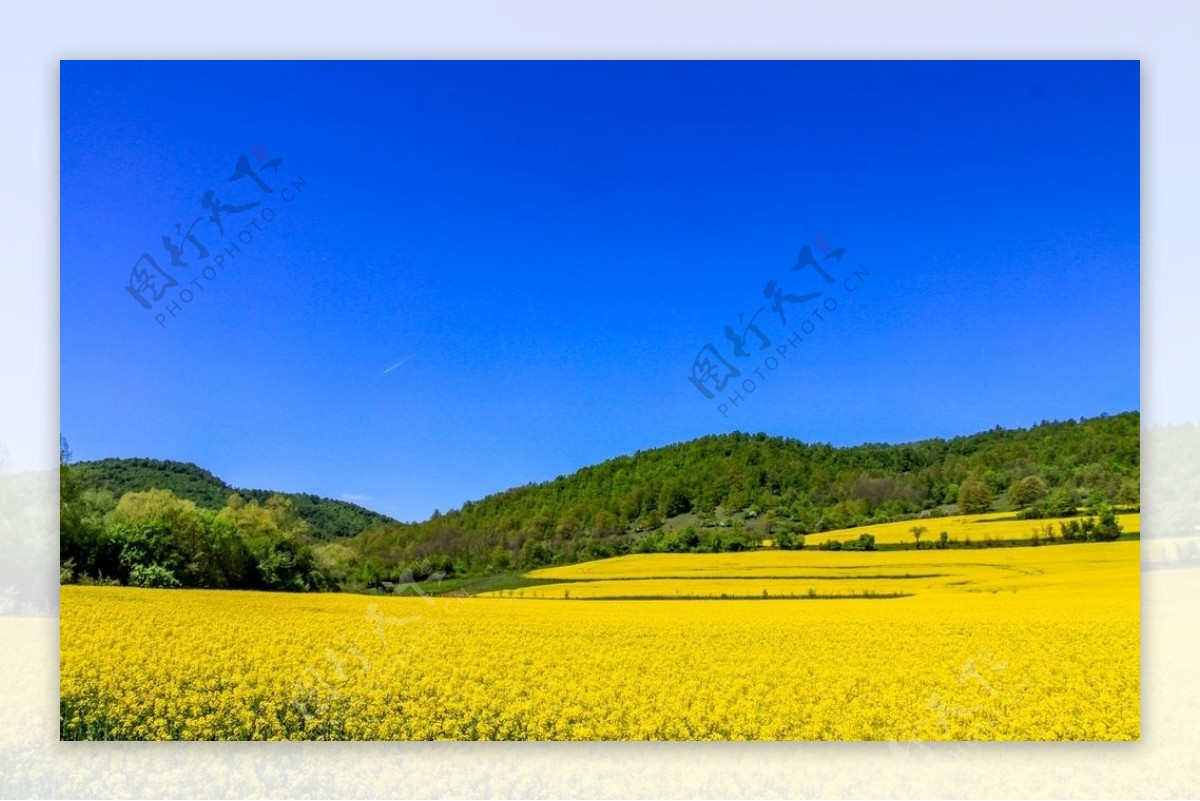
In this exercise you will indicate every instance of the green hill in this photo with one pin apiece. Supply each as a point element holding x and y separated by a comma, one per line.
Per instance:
<point>717,493</point>
<point>728,491</point>
<point>327,518</point>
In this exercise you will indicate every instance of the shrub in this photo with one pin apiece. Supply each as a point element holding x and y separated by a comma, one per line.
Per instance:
<point>865,542</point>
<point>152,575</point>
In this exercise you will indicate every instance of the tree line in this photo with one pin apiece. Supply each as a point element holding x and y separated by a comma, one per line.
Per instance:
<point>772,486</point>
<point>153,538</point>
<point>718,493</point>
<point>327,519</point>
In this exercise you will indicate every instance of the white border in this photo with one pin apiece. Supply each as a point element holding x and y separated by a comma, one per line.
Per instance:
<point>1162,35</point>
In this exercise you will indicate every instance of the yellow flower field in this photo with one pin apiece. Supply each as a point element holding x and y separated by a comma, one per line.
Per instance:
<point>1007,643</point>
<point>995,526</point>
<point>1107,571</point>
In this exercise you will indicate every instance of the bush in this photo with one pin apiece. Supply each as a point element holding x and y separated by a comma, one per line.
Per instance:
<point>153,575</point>
<point>1107,528</point>
<point>865,542</point>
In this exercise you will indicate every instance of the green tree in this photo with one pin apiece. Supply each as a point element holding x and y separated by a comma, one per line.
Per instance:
<point>1107,528</point>
<point>1027,490</point>
<point>337,561</point>
<point>229,562</point>
<point>275,538</point>
<point>1063,501</point>
<point>974,497</point>
<point>156,527</point>
<point>534,553</point>
<point>917,531</point>
<point>673,500</point>
<point>68,496</point>
<point>689,539</point>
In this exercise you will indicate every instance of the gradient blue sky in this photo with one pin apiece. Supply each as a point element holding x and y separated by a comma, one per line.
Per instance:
<point>547,245</point>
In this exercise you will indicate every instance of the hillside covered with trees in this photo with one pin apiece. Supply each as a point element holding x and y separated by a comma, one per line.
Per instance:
<point>716,493</point>
<point>327,519</point>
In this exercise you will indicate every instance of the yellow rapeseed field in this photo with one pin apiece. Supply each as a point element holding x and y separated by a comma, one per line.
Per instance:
<point>1006,643</point>
<point>981,528</point>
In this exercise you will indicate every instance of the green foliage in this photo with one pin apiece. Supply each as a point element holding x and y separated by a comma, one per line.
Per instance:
<point>155,539</point>
<point>535,554</point>
<point>865,542</point>
<point>327,518</point>
<point>68,493</point>
<point>152,575</point>
<point>1027,490</point>
<point>786,540</point>
<point>1102,527</point>
<point>715,494</point>
<point>1061,502</point>
<point>1107,528</point>
<point>974,497</point>
<point>625,504</point>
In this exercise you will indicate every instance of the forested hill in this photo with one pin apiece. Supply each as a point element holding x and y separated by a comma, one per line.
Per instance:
<point>718,493</point>
<point>326,518</point>
<point>728,484</point>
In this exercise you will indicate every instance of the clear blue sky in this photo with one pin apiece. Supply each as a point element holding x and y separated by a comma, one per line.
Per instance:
<point>543,248</point>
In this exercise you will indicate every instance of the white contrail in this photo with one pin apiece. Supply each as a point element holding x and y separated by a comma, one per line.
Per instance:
<point>397,364</point>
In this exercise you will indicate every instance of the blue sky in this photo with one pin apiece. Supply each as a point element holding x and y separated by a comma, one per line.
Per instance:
<point>546,247</point>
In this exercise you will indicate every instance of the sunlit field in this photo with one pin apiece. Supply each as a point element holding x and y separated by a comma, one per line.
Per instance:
<point>1006,643</point>
<point>939,577</point>
<point>974,529</point>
